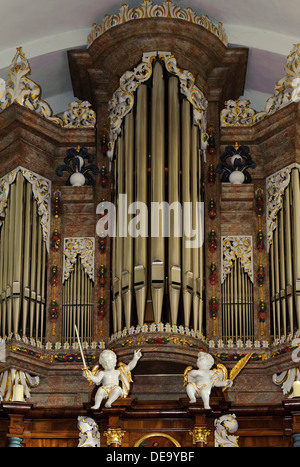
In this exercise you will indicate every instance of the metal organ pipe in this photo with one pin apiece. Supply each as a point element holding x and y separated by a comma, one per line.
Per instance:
<point>23,260</point>
<point>127,269</point>
<point>284,256</point>
<point>237,304</point>
<point>158,190</point>
<point>174,270</point>
<point>78,304</point>
<point>158,165</point>
<point>141,168</point>
<point>187,275</point>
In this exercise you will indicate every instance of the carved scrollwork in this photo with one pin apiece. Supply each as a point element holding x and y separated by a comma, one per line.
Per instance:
<point>123,98</point>
<point>80,115</point>
<point>149,10</point>
<point>223,426</point>
<point>24,91</point>
<point>41,188</point>
<point>286,90</point>
<point>275,186</point>
<point>85,248</point>
<point>237,247</point>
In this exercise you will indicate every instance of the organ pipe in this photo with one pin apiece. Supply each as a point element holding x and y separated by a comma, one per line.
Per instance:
<point>173,197</point>
<point>140,253</point>
<point>285,262</point>
<point>187,277</point>
<point>237,304</point>
<point>158,164</point>
<point>127,269</point>
<point>23,260</point>
<point>157,190</point>
<point>78,304</point>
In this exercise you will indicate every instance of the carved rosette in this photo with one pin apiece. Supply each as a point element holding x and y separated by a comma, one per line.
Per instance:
<point>85,248</point>
<point>41,188</point>
<point>237,247</point>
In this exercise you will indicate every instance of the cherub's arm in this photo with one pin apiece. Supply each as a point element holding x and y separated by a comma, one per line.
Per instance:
<point>193,375</point>
<point>97,378</point>
<point>136,356</point>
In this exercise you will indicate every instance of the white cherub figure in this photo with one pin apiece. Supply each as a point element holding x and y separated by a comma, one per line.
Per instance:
<point>110,377</point>
<point>200,382</point>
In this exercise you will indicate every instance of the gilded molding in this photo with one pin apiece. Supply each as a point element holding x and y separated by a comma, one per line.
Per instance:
<point>41,188</point>
<point>123,98</point>
<point>148,10</point>
<point>85,248</point>
<point>275,187</point>
<point>236,247</point>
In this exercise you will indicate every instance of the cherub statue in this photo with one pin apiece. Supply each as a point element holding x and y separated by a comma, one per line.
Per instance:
<point>110,377</point>
<point>200,382</point>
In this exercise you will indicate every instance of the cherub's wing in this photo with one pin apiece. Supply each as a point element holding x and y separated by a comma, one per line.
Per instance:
<point>126,378</point>
<point>95,370</point>
<point>186,374</point>
<point>220,374</point>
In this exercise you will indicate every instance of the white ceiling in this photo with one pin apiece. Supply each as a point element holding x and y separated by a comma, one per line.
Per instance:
<point>46,29</point>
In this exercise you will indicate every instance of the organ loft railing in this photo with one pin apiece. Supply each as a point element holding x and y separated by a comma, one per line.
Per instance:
<point>24,230</point>
<point>283,223</point>
<point>157,253</point>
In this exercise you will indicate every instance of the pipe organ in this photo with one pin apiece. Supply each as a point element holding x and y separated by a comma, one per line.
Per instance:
<point>284,233</point>
<point>23,258</point>
<point>157,259</point>
<point>155,283</point>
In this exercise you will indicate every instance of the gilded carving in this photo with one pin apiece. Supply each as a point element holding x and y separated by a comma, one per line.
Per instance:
<point>41,188</point>
<point>123,98</point>
<point>286,90</point>
<point>237,247</point>
<point>80,115</point>
<point>24,91</point>
<point>85,248</point>
<point>275,187</point>
<point>149,10</point>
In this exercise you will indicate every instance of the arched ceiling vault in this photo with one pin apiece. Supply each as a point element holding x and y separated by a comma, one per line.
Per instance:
<point>46,30</point>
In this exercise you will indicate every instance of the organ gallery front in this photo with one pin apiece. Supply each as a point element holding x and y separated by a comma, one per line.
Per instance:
<point>156,224</point>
